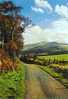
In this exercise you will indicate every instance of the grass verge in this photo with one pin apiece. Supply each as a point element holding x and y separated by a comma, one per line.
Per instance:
<point>12,84</point>
<point>55,75</point>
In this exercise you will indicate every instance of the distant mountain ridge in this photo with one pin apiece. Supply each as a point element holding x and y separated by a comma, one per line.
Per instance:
<point>46,48</point>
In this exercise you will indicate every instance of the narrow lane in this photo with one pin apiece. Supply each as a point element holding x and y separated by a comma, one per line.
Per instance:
<point>40,85</point>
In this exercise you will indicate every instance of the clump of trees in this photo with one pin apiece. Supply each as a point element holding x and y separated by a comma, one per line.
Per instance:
<point>11,29</point>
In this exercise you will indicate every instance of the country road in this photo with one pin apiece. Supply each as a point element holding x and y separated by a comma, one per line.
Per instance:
<point>40,85</point>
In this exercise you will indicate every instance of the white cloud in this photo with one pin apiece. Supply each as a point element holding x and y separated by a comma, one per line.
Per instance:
<point>44,4</point>
<point>58,31</point>
<point>35,9</point>
<point>33,34</point>
<point>62,10</point>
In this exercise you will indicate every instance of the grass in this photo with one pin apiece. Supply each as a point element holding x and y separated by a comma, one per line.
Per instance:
<point>56,75</point>
<point>12,84</point>
<point>50,71</point>
<point>55,69</point>
<point>57,57</point>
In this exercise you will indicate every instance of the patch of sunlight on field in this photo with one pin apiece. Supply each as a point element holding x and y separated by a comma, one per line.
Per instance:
<point>52,57</point>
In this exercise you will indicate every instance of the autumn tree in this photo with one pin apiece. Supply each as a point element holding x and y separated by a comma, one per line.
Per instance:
<point>11,28</point>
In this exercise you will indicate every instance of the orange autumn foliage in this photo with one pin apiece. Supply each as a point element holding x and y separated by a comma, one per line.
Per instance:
<point>11,29</point>
<point>5,62</point>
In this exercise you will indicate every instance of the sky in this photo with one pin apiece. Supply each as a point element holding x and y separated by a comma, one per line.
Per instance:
<point>49,20</point>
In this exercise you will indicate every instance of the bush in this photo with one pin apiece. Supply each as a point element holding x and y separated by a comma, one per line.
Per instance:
<point>65,73</point>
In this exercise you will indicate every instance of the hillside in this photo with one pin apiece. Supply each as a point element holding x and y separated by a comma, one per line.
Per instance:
<point>46,48</point>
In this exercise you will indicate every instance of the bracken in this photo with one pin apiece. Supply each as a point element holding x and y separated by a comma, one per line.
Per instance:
<point>6,63</point>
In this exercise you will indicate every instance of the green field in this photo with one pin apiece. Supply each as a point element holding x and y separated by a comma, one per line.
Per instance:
<point>12,84</point>
<point>52,65</point>
<point>57,57</point>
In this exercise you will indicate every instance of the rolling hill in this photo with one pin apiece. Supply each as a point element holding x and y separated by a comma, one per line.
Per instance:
<point>46,48</point>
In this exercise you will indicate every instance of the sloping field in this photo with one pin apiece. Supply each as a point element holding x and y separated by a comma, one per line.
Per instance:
<point>52,57</point>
